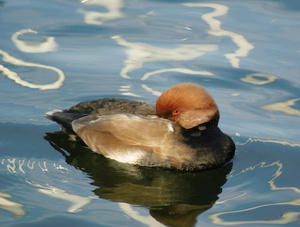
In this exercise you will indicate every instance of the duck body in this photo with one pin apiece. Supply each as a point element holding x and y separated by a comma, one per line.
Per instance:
<point>133,132</point>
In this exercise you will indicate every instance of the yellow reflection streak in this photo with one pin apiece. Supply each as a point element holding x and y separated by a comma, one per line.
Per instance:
<point>77,202</point>
<point>150,90</point>
<point>19,166</point>
<point>250,78</point>
<point>181,70</point>
<point>11,166</point>
<point>287,217</point>
<point>139,53</point>
<point>244,46</point>
<point>22,165</point>
<point>18,80</point>
<point>125,90</point>
<point>113,8</point>
<point>284,107</point>
<point>8,205</point>
<point>250,140</point>
<point>147,220</point>
<point>47,45</point>
<point>277,173</point>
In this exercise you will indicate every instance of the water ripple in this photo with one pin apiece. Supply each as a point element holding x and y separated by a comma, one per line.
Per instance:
<point>18,80</point>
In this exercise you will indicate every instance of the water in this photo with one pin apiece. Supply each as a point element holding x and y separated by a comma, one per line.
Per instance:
<point>57,53</point>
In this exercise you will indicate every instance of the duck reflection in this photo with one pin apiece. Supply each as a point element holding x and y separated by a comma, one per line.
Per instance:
<point>173,198</point>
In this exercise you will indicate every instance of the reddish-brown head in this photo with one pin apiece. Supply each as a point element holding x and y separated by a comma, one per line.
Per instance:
<point>187,104</point>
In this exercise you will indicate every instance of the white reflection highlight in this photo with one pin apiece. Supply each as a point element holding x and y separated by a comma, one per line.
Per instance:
<point>231,199</point>
<point>147,220</point>
<point>140,53</point>
<point>18,80</point>
<point>11,166</point>
<point>285,143</point>
<point>264,78</point>
<point>178,70</point>
<point>284,107</point>
<point>43,166</point>
<point>150,90</point>
<point>30,164</point>
<point>77,202</point>
<point>21,163</point>
<point>244,46</point>
<point>181,70</point>
<point>126,90</point>
<point>276,174</point>
<point>47,45</point>
<point>10,206</point>
<point>285,218</point>
<point>16,166</point>
<point>23,166</point>
<point>113,8</point>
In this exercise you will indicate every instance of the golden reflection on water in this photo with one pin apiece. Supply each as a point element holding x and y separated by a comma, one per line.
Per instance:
<point>264,78</point>
<point>48,44</point>
<point>285,143</point>
<point>18,80</point>
<point>23,166</point>
<point>284,107</point>
<point>113,11</point>
<point>137,54</point>
<point>7,204</point>
<point>140,53</point>
<point>77,202</point>
<point>244,46</point>
<point>259,78</point>
<point>132,212</point>
<point>287,217</point>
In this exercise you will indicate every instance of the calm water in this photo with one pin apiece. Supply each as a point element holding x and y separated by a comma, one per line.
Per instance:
<point>57,53</point>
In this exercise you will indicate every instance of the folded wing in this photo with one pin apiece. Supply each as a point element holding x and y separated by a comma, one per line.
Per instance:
<point>132,138</point>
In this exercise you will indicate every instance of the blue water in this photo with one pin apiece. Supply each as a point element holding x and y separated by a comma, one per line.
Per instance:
<point>54,54</point>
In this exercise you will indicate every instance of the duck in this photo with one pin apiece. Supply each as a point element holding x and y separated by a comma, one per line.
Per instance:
<point>179,132</point>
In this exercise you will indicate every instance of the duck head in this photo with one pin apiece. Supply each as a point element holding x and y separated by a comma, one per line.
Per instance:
<point>188,105</point>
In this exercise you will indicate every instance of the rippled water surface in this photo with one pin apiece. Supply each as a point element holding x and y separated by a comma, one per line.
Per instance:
<point>54,54</point>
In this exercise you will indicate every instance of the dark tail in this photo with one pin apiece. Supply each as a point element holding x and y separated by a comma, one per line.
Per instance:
<point>64,119</point>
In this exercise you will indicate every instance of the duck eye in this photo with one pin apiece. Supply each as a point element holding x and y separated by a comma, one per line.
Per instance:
<point>176,112</point>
